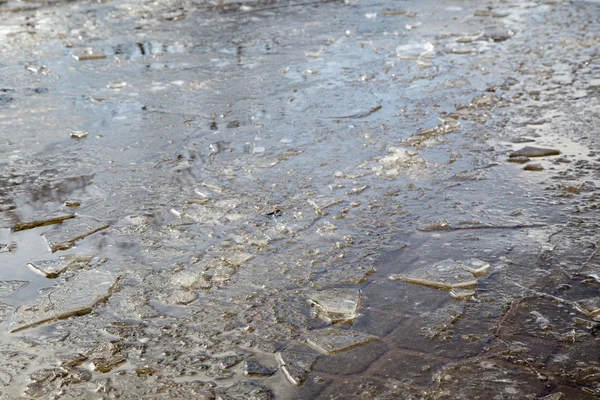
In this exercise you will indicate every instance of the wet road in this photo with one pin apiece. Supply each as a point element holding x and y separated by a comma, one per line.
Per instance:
<point>299,200</point>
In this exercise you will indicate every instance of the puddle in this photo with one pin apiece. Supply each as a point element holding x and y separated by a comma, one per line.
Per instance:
<point>281,199</point>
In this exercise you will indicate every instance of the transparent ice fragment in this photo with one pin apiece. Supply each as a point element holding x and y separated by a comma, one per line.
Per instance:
<point>296,365</point>
<point>191,280</point>
<point>8,287</point>
<point>334,340</point>
<point>477,267</point>
<point>462,294</point>
<point>444,275</point>
<point>77,296</point>
<point>238,259</point>
<point>53,268</point>
<point>79,135</point>
<point>336,305</point>
<point>65,235</point>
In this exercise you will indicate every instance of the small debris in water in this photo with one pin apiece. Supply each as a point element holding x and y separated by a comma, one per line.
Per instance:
<point>393,12</point>
<point>399,160</point>
<point>315,54</point>
<point>519,159</point>
<point>497,34</point>
<point>357,190</point>
<point>363,114</point>
<point>106,356</point>
<point>8,248</point>
<point>72,203</point>
<point>174,16</point>
<point>589,307</point>
<point>79,135</point>
<point>442,225</point>
<point>89,57</point>
<point>254,368</point>
<point>463,50</point>
<point>51,220</point>
<point>522,139</point>
<point>116,85</point>
<point>541,321</point>
<point>533,167</point>
<point>530,151</point>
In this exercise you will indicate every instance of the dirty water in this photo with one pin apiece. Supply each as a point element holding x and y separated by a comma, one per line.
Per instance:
<point>299,200</point>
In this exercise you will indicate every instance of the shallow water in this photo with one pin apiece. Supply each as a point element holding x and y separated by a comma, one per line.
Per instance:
<point>251,157</point>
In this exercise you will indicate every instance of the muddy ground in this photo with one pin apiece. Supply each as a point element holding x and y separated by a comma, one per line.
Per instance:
<point>299,199</point>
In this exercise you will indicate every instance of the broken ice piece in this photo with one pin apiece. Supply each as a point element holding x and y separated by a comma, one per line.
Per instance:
<point>336,305</point>
<point>334,340</point>
<point>8,287</point>
<point>554,396</point>
<point>444,275</point>
<point>462,294</point>
<point>477,267</point>
<point>8,248</point>
<point>589,307</point>
<point>191,280</point>
<point>77,296</point>
<point>357,190</point>
<point>254,368</point>
<point>63,237</point>
<point>237,259</point>
<point>178,296</point>
<point>50,220</point>
<point>53,268</point>
<point>296,365</point>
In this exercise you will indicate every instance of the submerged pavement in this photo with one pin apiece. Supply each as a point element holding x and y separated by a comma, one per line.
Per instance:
<point>299,200</point>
